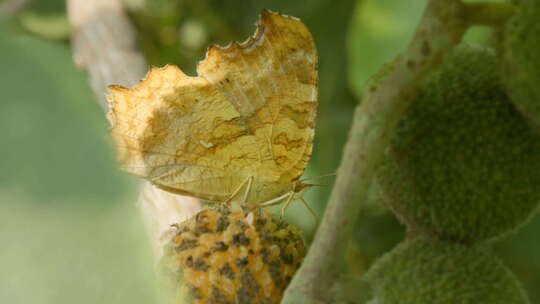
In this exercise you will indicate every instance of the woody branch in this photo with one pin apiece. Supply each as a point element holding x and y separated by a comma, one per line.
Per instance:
<point>104,45</point>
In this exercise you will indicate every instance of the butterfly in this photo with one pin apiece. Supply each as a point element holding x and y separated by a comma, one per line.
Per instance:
<point>241,129</point>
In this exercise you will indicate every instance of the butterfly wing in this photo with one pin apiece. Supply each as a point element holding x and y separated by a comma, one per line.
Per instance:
<point>249,113</point>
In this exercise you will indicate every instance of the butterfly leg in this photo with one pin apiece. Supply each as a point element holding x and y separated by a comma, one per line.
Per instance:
<point>248,182</point>
<point>310,210</point>
<point>288,197</point>
<point>278,200</point>
<point>287,203</point>
<point>248,189</point>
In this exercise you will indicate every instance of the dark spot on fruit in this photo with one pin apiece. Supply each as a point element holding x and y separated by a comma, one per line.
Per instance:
<point>226,271</point>
<point>265,255</point>
<point>189,261</point>
<point>200,265</point>
<point>187,244</point>
<point>222,224</point>
<point>216,297</point>
<point>240,239</point>
<point>194,292</point>
<point>249,289</point>
<point>259,223</point>
<point>270,238</point>
<point>202,224</point>
<point>287,259</point>
<point>275,273</point>
<point>197,264</point>
<point>242,262</point>
<point>219,247</point>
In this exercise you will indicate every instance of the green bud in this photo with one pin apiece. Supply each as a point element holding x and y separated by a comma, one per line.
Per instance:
<point>423,271</point>
<point>520,58</point>
<point>463,163</point>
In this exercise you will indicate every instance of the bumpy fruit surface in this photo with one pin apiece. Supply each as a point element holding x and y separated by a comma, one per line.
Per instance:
<point>232,254</point>
<point>422,271</point>
<point>521,58</point>
<point>463,164</point>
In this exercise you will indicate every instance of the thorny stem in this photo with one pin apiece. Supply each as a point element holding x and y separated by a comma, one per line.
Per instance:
<point>374,120</point>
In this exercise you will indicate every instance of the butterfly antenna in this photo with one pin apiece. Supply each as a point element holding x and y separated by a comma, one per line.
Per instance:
<point>318,176</point>
<point>315,217</point>
<point>317,185</point>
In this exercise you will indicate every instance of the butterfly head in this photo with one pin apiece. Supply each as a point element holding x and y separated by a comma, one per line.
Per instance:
<point>299,187</point>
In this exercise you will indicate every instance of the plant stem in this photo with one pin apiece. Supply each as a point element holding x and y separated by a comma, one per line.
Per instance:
<point>104,44</point>
<point>374,121</point>
<point>485,13</point>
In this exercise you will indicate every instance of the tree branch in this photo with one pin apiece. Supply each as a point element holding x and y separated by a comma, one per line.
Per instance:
<point>374,121</point>
<point>104,44</point>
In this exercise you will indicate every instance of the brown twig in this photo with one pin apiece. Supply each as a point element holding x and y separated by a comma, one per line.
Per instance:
<point>104,44</point>
<point>374,121</point>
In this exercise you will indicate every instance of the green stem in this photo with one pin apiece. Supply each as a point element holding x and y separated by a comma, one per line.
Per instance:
<point>375,118</point>
<point>485,13</point>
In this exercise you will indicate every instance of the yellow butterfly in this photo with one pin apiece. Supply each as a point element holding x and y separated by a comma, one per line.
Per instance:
<point>245,123</point>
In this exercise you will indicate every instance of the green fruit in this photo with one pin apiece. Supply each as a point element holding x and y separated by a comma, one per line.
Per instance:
<point>463,164</point>
<point>421,271</point>
<point>521,59</point>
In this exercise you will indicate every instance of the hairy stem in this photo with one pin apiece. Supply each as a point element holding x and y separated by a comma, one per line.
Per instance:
<point>487,13</point>
<point>375,118</point>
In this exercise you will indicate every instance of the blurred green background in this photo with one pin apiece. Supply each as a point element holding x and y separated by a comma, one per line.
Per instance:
<point>69,227</point>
